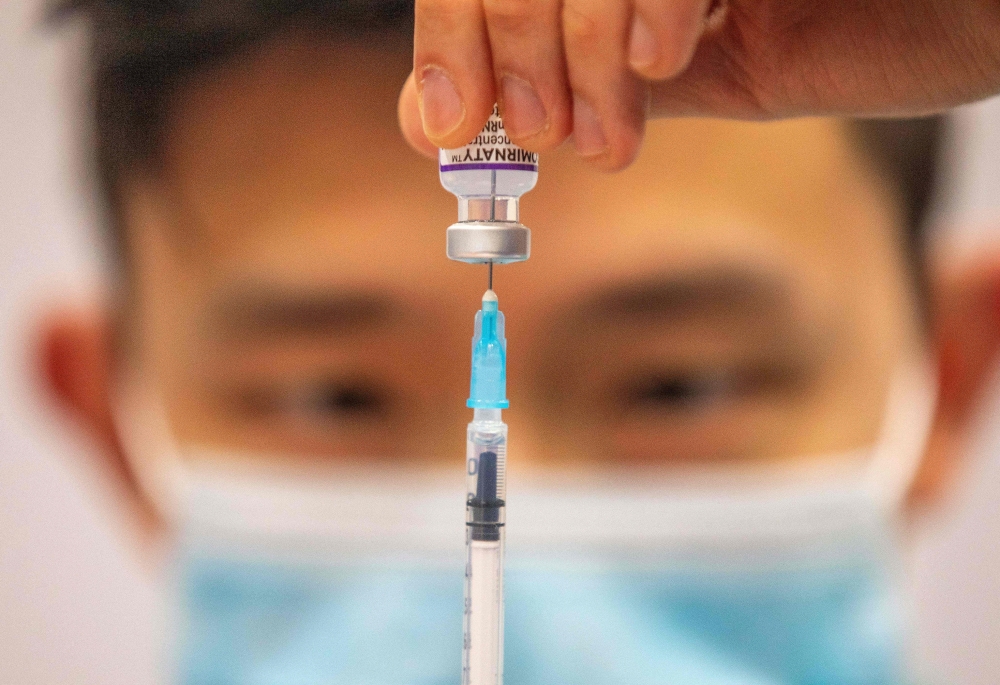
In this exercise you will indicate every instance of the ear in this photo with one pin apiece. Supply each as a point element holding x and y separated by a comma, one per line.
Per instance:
<point>77,363</point>
<point>965,324</point>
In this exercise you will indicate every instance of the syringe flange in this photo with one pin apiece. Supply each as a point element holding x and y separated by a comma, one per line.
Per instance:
<point>479,242</point>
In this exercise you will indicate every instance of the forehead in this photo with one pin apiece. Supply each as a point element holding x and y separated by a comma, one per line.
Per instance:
<point>295,148</point>
<point>289,207</point>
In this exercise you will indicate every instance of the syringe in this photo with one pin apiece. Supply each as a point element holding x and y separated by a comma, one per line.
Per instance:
<point>486,462</point>
<point>489,176</point>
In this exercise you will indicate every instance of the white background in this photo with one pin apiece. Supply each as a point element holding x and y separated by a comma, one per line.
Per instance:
<point>76,603</point>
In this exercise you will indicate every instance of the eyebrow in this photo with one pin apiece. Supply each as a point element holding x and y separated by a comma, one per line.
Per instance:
<point>265,311</point>
<point>724,289</point>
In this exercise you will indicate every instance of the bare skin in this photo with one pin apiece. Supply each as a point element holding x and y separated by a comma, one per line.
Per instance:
<point>738,295</point>
<point>286,208</point>
<point>595,70</point>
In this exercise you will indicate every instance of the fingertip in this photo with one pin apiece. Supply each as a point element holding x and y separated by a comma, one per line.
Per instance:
<point>621,150</point>
<point>451,113</point>
<point>466,132</point>
<point>644,46</point>
<point>556,132</point>
<point>532,121</point>
<point>663,49</point>
<point>617,157</point>
<point>410,122</point>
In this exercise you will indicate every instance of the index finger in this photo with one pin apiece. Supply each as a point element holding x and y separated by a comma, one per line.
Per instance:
<point>453,70</point>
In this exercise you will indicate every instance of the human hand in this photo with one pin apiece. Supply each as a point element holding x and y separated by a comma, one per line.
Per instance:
<point>597,69</point>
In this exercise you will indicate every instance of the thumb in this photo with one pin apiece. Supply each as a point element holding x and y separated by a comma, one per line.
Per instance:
<point>410,122</point>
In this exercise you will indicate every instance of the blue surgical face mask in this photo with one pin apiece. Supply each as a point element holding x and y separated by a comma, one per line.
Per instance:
<point>772,575</point>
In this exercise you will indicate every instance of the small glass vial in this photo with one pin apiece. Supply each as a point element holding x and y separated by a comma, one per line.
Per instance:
<point>489,175</point>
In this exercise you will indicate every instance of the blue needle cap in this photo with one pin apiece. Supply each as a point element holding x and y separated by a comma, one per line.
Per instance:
<point>489,358</point>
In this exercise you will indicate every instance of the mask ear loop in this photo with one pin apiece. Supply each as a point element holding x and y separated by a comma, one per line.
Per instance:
<point>904,435</point>
<point>141,422</point>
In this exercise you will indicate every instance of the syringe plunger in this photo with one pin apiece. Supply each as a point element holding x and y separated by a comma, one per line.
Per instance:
<point>485,507</point>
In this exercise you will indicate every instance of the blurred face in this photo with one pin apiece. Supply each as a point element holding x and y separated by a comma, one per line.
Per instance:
<point>739,294</point>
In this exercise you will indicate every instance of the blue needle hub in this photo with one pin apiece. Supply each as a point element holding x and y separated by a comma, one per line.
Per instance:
<point>489,358</point>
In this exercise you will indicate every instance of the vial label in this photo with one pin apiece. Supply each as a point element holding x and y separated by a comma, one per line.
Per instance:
<point>491,149</point>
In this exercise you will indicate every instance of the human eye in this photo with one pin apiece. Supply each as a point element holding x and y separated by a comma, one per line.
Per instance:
<point>317,401</point>
<point>352,399</point>
<point>677,390</point>
<point>689,392</point>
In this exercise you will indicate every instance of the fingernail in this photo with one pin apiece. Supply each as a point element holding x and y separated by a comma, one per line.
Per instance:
<point>441,106</point>
<point>642,51</point>
<point>588,136</point>
<point>523,112</point>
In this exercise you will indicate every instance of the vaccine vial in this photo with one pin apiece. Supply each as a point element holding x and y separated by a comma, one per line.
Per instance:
<point>488,176</point>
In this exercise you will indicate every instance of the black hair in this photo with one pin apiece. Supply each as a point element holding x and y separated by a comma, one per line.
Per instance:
<point>908,155</point>
<point>142,49</point>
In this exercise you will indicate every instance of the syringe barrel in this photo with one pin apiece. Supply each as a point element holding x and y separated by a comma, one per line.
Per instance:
<point>486,478</point>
